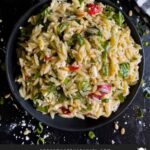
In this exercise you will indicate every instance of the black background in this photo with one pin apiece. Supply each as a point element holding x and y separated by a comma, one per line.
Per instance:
<point>12,116</point>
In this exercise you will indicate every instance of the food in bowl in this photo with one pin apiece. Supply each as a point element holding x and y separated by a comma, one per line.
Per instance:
<point>77,59</point>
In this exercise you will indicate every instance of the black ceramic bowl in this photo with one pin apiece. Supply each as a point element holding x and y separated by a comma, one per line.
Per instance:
<point>59,122</point>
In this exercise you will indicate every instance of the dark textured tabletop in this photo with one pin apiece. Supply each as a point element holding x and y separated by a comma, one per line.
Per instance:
<point>16,126</point>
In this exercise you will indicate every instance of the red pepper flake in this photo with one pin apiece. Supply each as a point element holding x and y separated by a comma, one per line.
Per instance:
<point>94,9</point>
<point>73,68</point>
<point>65,110</point>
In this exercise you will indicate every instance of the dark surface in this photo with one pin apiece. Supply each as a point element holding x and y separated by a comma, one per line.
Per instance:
<point>14,120</point>
<point>66,124</point>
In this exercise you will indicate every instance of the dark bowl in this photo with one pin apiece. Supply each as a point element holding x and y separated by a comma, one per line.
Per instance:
<point>59,122</point>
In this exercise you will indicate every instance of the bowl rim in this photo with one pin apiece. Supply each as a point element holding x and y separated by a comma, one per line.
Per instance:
<point>24,18</point>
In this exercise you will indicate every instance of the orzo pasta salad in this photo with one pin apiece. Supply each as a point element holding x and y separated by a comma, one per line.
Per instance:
<point>77,59</point>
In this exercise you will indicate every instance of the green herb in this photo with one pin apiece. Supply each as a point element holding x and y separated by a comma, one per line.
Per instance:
<point>66,81</point>
<point>40,141</point>
<point>89,107</point>
<point>80,1</point>
<point>78,21</point>
<point>119,18</point>
<point>39,130</point>
<point>124,69</point>
<point>83,86</point>
<point>42,109</point>
<point>105,66</point>
<point>106,100</point>
<point>62,27</point>
<point>52,88</point>
<point>105,45</point>
<point>139,113</point>
<point>121,98</point>
<point>78,95</point>
<point>45,13</point>
<point>23,32</point>
<point>37,75</point>
<point>147,94</point>
<point>109,12</point>
<point>146,43</point>
<point>105,56</point>
<point>76,38</point>
<point>2,100</point>
<point>105,69</point>
<point>91,135</point>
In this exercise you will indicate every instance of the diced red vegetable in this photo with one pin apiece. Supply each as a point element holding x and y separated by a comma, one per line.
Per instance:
<point>106,88</point>
<point>94,9</point>
<point>65,110</point>
<point>97,96</point>
<point>73,68</point>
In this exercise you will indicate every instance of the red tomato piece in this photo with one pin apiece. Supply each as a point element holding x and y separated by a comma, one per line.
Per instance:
<point>94,9</point>
<point>73,68</point>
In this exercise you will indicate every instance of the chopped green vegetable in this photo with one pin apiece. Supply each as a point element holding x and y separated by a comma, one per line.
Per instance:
<point>147,94</point>
<point>105,66</point>
<point>105,70</point>
<point>139,113</point>
<point>91,135</point>
<point>109,12</point>
<point>40,141</point>
<point>121,98</point>
<point>23,32</point>
<point>66,81</point>
<point>37,75</point>
<point>80,1</point>
<point>45,13</point>
<point>78,95</point>
<point>52,88</point>
<point>119,18</point>
<point>146,43</point>
<point>62,27</point>
<point>124,69</point>
<point>39,130</point>
<point>2,100</point>
<point>106,100</point>
<point>83,86</point>
<point>42,109</point>
<point>76,38</point>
